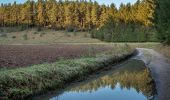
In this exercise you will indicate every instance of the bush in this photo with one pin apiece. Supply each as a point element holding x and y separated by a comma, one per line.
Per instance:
<point>39,29</point>
<point>70,29</point>
<point>3,35</point>
<point>14,37</point>
<point>35,33</point>
<point>25,37</point>
<point>42,34</point>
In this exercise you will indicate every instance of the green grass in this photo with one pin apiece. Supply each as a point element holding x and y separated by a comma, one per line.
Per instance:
<point>24,82</point>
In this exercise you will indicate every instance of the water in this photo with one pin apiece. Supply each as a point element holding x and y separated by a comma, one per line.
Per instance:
<point>129,81</point>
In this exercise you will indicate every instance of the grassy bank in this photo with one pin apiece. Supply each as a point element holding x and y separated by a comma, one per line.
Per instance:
<point>23,82</point>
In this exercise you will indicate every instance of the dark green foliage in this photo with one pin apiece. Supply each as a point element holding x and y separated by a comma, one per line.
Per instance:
<point>163,20</point>
<point>121,32</point>
<point>39,29</point>
<point>14,37</point>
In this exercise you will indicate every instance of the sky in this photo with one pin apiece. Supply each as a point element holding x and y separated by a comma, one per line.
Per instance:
<point>107,2</point>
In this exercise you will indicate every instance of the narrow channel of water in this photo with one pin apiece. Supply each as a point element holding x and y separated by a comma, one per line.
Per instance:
<point>130,81</point>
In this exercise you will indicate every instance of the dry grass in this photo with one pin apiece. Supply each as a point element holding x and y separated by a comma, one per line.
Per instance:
<point>165,50</point>
<point>47,37</point>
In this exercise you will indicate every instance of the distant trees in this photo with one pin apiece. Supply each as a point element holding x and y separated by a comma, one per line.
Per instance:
<point>79,15</point>
<point>111,24</point>
<point>131,23</point>
<point>163,20</point>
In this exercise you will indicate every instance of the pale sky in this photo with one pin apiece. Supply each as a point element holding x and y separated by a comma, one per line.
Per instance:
<point>107,2</point>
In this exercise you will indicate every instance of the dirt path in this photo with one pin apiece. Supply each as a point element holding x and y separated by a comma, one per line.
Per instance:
<point>160,70</point>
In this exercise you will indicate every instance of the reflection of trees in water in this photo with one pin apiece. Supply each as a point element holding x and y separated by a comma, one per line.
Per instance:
<point>141,81</point>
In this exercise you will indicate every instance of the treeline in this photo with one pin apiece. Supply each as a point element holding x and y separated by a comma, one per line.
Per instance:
<point>130,23</point>
<point>80,15</point>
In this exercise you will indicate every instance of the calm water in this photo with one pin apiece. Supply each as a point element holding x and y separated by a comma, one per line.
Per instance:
<point>130,81</point>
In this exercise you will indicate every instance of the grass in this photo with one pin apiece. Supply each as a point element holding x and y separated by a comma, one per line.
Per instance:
<point>23,82</point>
<point>165,50</point>
<point>47,37</point>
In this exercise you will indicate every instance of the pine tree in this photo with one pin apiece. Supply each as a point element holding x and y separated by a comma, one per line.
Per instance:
<point>27,13</point>
<point>60,20</point>
<point>68,15</point>
<point>82,10</point>
<point>88,16</point>
<point>103,16</point>
<point>94,14</point>
<point>76,22</point>
<point>163,20</point>
<point>113,11</point>
<point>41,16</point>
<point>52,12</point>
<point>150,6</point>
<point>2,15</point>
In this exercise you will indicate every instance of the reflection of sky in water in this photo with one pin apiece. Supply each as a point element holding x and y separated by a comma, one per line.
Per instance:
<point>132,81</point>
<point>105,93</point>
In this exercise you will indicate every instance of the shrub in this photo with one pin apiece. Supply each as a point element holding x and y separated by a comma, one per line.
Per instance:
<point>14,37</point>
<point>70,29</point>
<point>42,34</point>
<point>3,35</point>
<point>25,37</point>
<point>39,29</point>
<point>35,33</point>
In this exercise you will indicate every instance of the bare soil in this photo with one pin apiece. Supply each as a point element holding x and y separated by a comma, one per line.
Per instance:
<point>26,55</point>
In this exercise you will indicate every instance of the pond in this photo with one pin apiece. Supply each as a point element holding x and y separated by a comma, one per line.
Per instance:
<point>128,81</point>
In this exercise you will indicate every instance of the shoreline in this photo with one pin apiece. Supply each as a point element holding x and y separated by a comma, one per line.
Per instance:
<point>159,67</point>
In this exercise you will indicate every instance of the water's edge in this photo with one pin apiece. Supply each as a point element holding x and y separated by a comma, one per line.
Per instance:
<point>96,74</point>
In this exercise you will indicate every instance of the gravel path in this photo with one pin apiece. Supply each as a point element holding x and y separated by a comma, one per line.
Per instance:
<point>160,71</point>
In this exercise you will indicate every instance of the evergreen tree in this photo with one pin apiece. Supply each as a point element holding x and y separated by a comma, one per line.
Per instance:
<point>94,14</point>
<point>104,16</point>
<point>88,16</point>
<point>52,12</point>
<point>41,14</point>
<point>163,20</point>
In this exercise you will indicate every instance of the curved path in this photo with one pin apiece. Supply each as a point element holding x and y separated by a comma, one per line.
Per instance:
<point>160,71</point>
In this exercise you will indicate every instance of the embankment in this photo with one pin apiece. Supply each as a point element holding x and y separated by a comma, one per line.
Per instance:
<point>20,83</point>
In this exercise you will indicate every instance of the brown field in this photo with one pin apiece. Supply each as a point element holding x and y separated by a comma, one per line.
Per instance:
<point>26,55</point>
